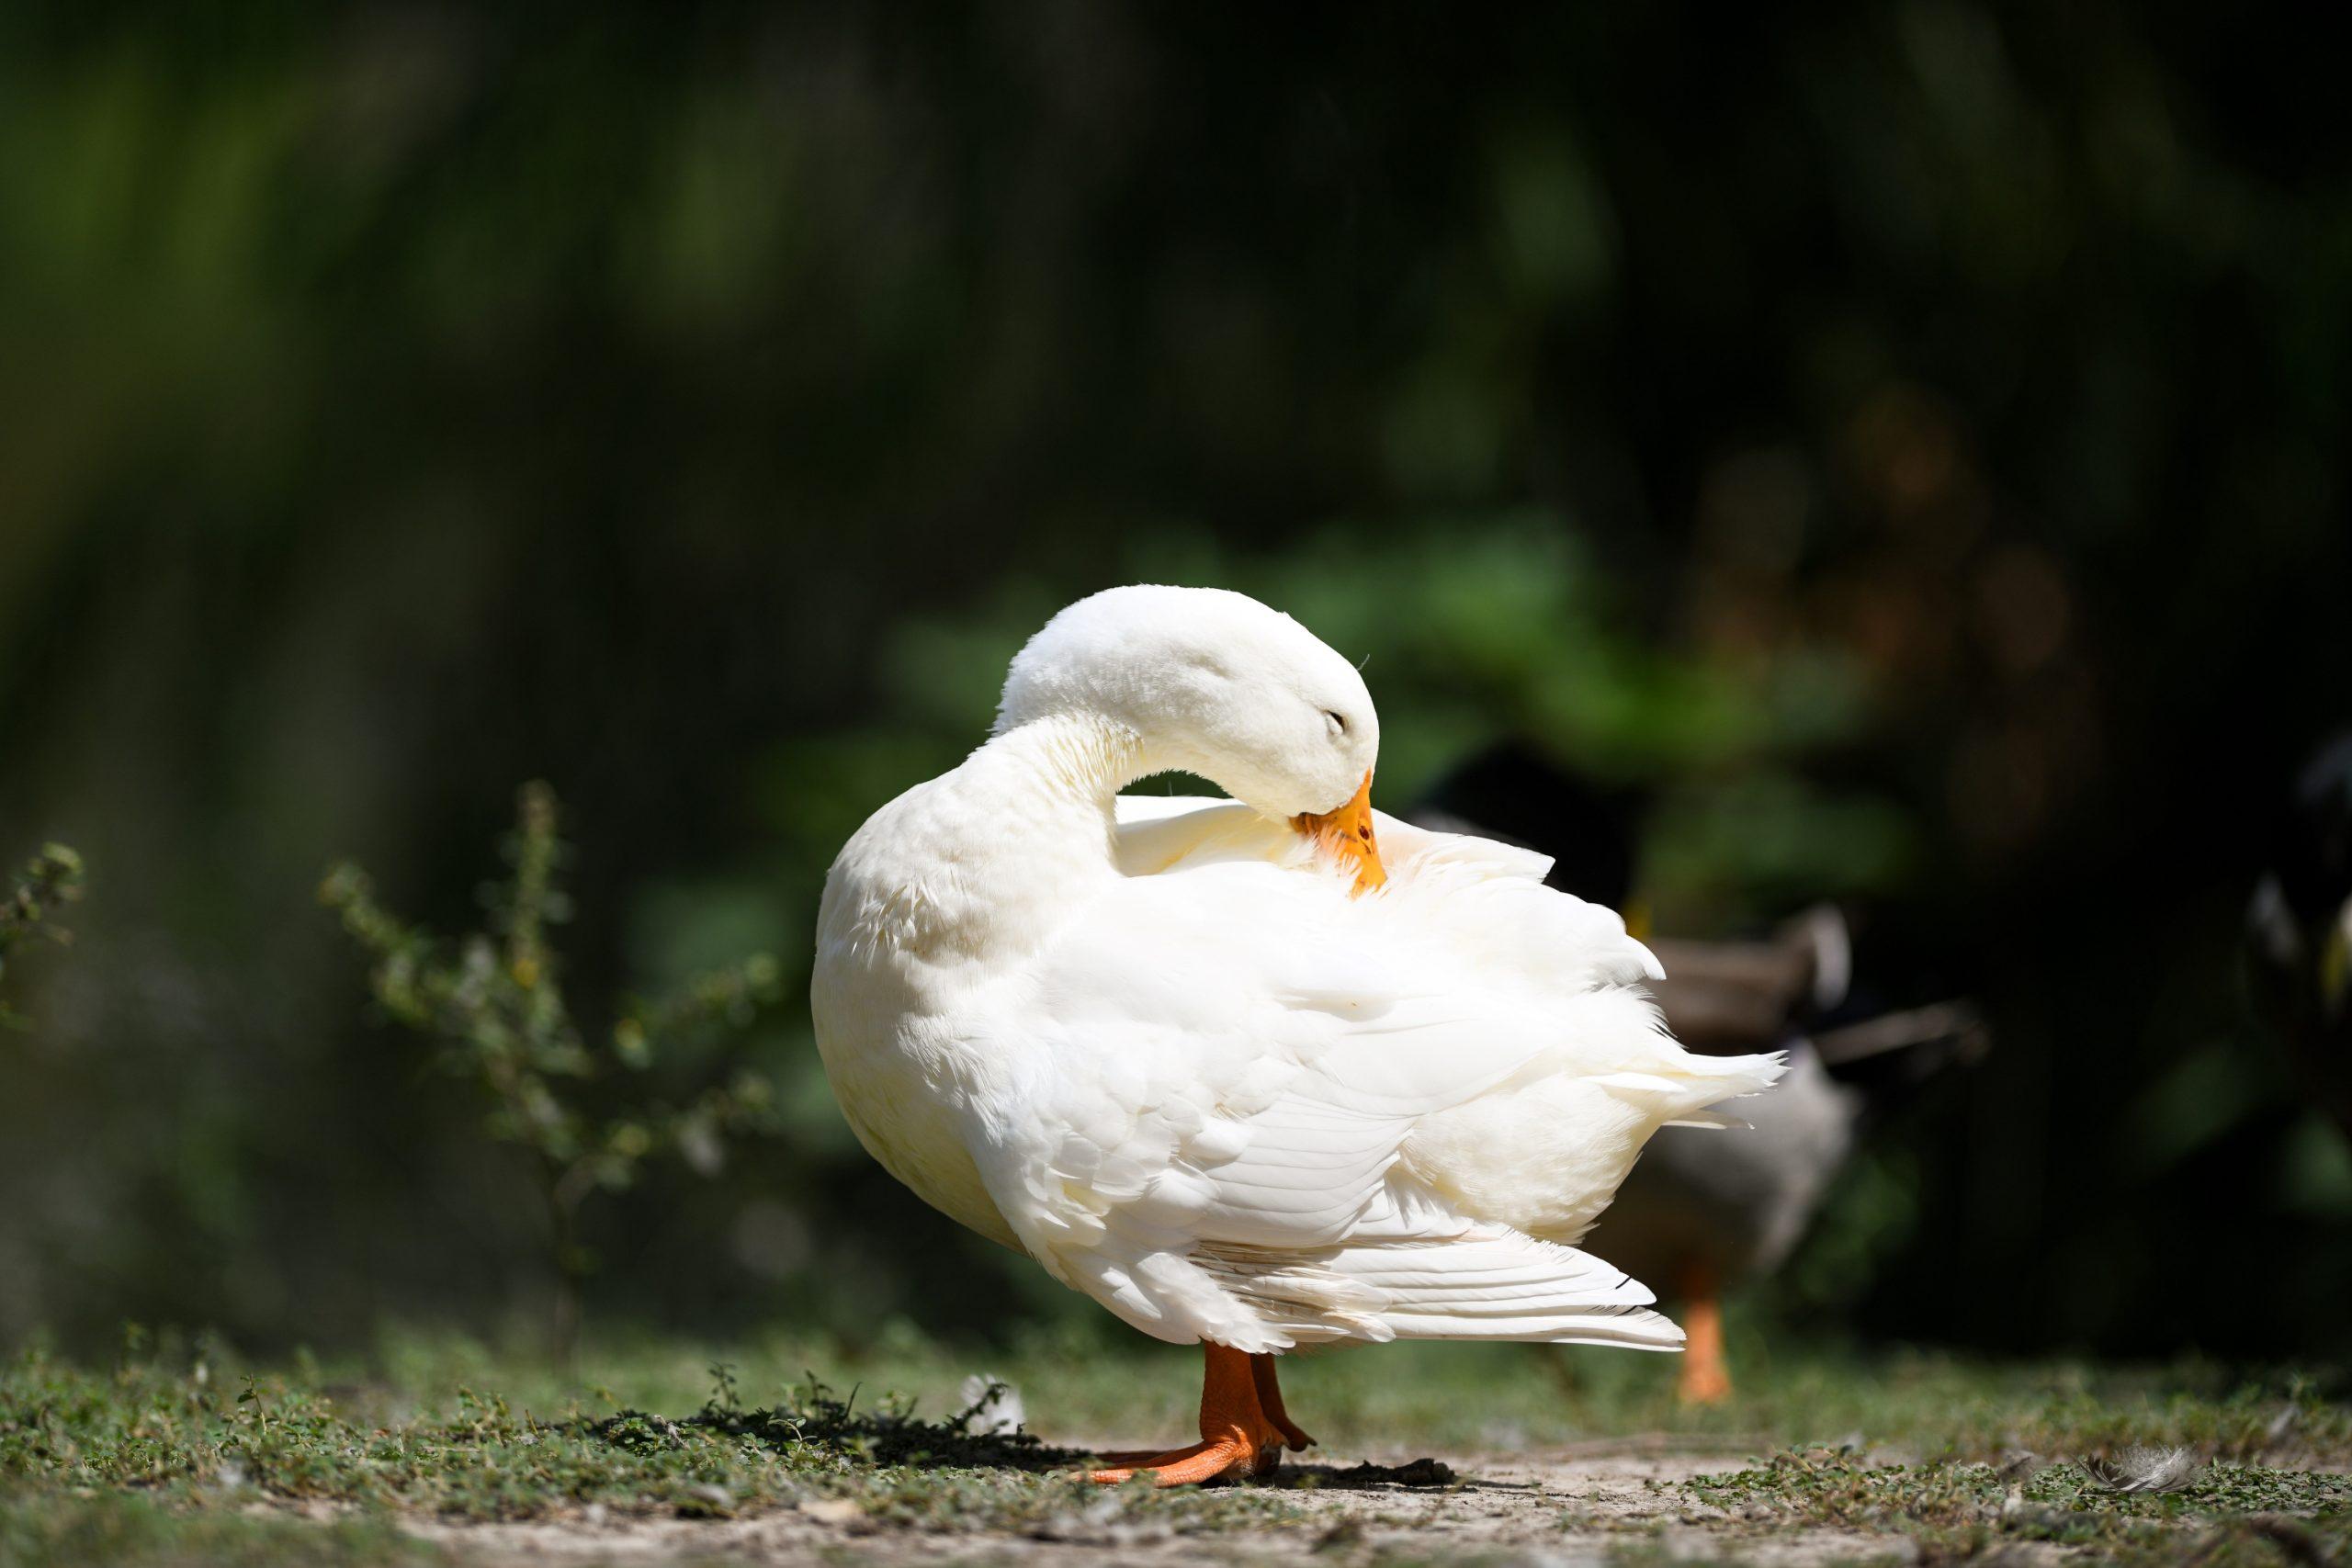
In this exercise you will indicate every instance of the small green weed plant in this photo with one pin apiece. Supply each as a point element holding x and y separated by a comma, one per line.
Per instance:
<point>570,1099</point>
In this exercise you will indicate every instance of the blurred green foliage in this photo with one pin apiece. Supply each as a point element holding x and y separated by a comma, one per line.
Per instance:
<point>50,878</point>
<point>1903,440</point>
<point>496,1008</point>
<point>1488,626</point>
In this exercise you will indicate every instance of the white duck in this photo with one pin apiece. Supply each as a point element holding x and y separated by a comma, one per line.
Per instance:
<point>1161,1047</point>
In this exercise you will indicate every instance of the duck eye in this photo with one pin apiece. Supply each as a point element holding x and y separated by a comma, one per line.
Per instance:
<point>1339,721</point>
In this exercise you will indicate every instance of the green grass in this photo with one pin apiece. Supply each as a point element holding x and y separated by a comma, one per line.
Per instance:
<point>1399,1401</point>
<point>133,1532</point>
<point>190,1435</point>
<point>187,1456</point>
<point>2231,1512</point>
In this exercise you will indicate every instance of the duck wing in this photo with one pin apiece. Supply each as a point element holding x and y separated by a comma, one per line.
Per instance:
<point>1240,1105</point>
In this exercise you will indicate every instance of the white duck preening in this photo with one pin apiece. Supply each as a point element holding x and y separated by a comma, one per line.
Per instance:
<point>1164,1047</point>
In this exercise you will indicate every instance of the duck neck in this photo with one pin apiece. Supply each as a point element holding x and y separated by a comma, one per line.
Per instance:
<point>1067,770</point>
<point>1038,818</point>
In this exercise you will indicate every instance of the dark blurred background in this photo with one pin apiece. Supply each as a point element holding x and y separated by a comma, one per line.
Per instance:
<point>1905,440</point>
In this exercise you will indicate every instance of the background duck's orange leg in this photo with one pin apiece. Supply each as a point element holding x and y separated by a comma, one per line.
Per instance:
<point>1270,1400</point>
<point>1235,1434</point>
<point>1705,1379</point>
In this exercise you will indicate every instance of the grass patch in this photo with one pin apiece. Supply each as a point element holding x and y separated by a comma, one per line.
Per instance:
<point>184,1455</point>
<point>2231,1512</point>
<point>175,1437</point>
<point>133,1532</point>
<point>1398,1401</point>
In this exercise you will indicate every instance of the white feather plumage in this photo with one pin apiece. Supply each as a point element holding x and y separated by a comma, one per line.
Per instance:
<point>1157,1046</point>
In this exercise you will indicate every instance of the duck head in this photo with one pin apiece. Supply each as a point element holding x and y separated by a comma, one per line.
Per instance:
<point>1215,683</point>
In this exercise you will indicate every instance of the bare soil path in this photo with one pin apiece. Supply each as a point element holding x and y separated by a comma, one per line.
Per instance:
<point>1564,1507</point>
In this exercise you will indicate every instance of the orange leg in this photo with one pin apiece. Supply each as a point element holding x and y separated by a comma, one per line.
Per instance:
<point>1269,1400</point>
<point>1235,1436</point>
<point>1705,1380</point>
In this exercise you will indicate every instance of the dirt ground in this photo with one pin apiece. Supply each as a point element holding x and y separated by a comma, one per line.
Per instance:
<point>1561,1508</point>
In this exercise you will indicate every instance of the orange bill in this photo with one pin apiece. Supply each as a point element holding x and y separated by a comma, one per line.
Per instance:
<point>1347,833</point>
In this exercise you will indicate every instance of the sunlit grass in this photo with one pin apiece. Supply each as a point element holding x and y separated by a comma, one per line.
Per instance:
<point>124,1531</point>
<point>1453,1399</point>
<point>184,1454</point>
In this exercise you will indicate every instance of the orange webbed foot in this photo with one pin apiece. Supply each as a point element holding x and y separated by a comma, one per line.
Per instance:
<point>1270,1401</point>
<point>1232,1456</point>
<point>1236,1437</point>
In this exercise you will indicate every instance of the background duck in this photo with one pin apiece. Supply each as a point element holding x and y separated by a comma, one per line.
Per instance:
<point>1255,1073</point>
<point>1700,1213</point>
